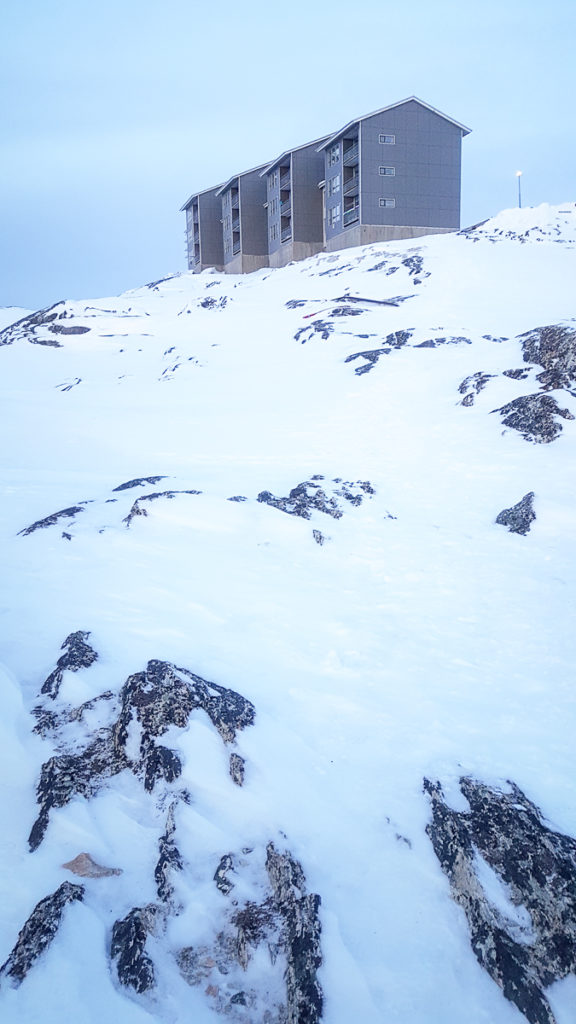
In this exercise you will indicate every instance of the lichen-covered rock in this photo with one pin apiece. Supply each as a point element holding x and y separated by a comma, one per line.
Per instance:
<point>310,496</point>
<point>139,481</point>
<point>554,349</point>
<point>41,524</point>
<point>534,944</point>
<point>473,385</point>
<point>169,860</point>
<point>77,654</point>
<point>38,931</point>
<point>534,416</point>
<point>237,769</point>
<point>302,929</point>
<point>223,883</point>
<point>134,966</point>
<point>519,517</point>
<point>150,702</point>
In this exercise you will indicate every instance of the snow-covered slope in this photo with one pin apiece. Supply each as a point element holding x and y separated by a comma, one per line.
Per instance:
<point>288,641</point>
<point>10,314</point>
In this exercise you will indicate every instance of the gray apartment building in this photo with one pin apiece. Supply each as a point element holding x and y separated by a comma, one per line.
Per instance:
<point>388,175</point>
<point>294,204</point>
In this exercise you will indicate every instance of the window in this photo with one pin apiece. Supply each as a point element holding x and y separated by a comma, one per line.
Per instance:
<point>387,170</point>
<point>334,215</point>
<point>387,140</point>
<point>334,154</point>
<point>334,185</point>
<point>274,207</point>
<point>273,232</point>
<point>387,202</point>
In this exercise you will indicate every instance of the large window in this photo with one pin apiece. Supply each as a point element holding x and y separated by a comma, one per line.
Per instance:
<point>334,154</point>
<point>388,171</point>
<point>334,215</point>
<point>387,140</point>
<point>334,185</point>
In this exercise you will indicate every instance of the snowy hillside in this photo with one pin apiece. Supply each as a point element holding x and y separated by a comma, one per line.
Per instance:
<point>287,653</point>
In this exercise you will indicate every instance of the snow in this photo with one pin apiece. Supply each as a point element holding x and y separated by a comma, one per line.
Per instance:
<point>434,643</point>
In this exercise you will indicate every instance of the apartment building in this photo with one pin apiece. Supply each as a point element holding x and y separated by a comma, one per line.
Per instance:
<point>294,204</point>
<point>391,174</point>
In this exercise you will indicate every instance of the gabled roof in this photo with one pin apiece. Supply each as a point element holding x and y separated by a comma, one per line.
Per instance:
<point>195,195</point>
<point>328,142</point>
<point>227,184</point>
<point>288,152</point>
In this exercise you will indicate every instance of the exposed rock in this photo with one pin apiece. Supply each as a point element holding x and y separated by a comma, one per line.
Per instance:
<point>169,860</point>
<point>86,867</point>
<point>25,329</point>
<point>520,374</point>
<point>152,701</point>
<point>78,654</point>
<point>137,509</point>
<point>320,327</point>
<point>286,921</point>
<point>39,930</point>
<point>237,497</point>
<point>346,311</point>
<point>371,356</point>
<point>302,929</point>
<point>60,329</point>
<point>533,943</point>
<point>210,303</point>
<point>318,537</point>
<point>435,342</point>
<point>41,524</point>
<point>519,517</point>
<point>134,966</point>
<point>139,482</point>
<point>237,769</point>
<point>534,417</point>
<point>309,497</point>
<point>554,349</point>
<point>223,883</point>
<point>473,385</point>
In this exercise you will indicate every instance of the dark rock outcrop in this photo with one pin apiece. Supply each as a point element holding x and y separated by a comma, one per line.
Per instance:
<point>134,966</point>
<point>532,943</point>
<point>41,524</point>
<point>38,932</point>
<point>519,517</point>
<point>78,654</point>
<point>286,921</point>
<point>150,702</point>
<point>138,510</point>
<point>309,497</point>
<point>535,417</point>
<point>139,481</point>
<point>169,860</point>
<point>473,385</point>
<point>237,768</point>
<point>554,349</point>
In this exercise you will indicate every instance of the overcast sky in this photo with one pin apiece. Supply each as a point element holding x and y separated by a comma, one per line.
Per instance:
<point>113,112</point>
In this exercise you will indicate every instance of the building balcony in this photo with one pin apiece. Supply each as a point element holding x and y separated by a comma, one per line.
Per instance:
<point>235,248</point>
<point>352,186</point>
<point>286,234</point>
<point>350,155</point>
<point>235,200</point>
<point>285,179</point>
<point>286,207</point>
<point>351,216</point>
<point>236,224</point>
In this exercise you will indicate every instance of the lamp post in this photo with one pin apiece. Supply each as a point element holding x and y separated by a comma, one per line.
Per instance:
<point>519,176</point>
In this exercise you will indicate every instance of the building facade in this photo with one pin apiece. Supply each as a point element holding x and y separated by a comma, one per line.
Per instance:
<point>294,204</point>
<point>388,175</point>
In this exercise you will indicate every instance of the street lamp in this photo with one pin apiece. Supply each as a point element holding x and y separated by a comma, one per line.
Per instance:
<point>519,175</point>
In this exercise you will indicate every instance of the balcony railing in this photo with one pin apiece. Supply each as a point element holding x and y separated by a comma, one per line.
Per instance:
<point>236,248</point>
<point>235,198</point>
<point>286,234</point>
<point>236,224</point>
<point>350,155</point>
<point>286,208</point>
<point>350,187</point>
<point>350,216</point>
<point>285,180</point>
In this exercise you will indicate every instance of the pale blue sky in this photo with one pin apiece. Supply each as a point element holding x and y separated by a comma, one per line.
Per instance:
<point>112,113</point>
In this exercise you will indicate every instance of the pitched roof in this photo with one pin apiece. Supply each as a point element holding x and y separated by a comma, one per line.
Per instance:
<point>195,195</point>
<point>226,185</point>
<point>400,103</point>
<point>288,152</point>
